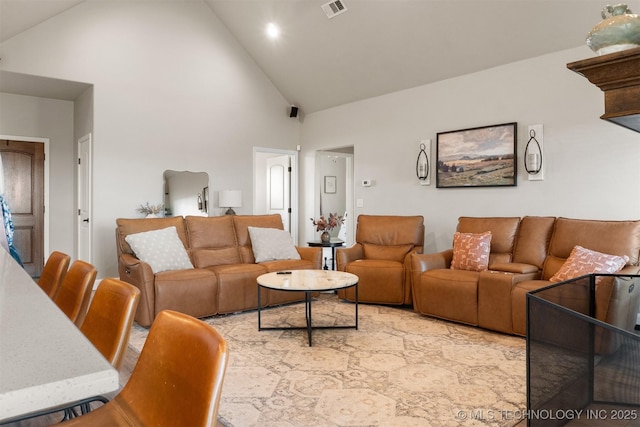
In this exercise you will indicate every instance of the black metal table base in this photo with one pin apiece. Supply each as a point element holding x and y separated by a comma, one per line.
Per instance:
<point>309,326</point>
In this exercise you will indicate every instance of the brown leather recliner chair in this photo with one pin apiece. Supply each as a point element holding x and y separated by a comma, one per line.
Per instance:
<point>380,258</point>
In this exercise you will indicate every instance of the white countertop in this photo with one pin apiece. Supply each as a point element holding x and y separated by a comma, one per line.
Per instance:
<point>45,360</point>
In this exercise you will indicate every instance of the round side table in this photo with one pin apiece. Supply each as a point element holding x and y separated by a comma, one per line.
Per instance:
<point>333,244</point>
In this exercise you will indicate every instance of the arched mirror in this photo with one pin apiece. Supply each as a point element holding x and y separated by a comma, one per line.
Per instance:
<point>186,193</point>
<point>334,177</point>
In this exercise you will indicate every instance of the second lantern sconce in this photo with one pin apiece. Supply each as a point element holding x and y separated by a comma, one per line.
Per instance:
<point>422,164</point>
<point>533,154</point>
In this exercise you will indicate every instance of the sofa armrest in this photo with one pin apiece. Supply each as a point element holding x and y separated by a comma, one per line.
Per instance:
<point>311,254</point>
<point>629,269</point>
<point>617,303</point>
<point>408,259</point>
<point>495,307</point>
<point>514,267</point>
<point>611,292</point>
<point>424,262</point>
<point>408,279</point>
<point>346,255</point>
<point>139,274</point>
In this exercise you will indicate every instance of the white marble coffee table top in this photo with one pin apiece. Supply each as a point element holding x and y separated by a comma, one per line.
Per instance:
<point>308,280</point>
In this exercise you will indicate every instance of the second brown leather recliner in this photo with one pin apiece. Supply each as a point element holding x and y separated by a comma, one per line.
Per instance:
<point>380,258</point>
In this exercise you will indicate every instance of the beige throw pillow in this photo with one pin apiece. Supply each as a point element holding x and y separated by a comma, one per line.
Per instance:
<point>583,261</point>
<point>162,249</point>
<point>270,244</point>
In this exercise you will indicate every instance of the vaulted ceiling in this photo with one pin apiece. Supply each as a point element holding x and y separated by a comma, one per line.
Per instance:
<point>376,46</point>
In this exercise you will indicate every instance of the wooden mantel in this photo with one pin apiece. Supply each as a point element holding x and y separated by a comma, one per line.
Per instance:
<point>618,76</point>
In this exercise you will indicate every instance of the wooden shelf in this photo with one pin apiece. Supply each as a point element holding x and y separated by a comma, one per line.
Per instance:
<point>618,76</point>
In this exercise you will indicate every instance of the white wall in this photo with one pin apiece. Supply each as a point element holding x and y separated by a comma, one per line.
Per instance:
<point>172,90</point>
<point>83,114</point>
<point>590,165</point>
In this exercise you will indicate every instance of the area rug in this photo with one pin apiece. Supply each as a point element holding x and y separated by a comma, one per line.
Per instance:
<point>399,368</point>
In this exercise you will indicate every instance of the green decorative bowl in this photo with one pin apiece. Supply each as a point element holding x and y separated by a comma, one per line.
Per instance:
<point>618,30</point>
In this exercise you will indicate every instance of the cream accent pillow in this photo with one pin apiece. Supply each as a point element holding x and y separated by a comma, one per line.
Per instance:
<point>162,249</point>
<point>471,251</point>
<point>583,261</point>
<point>270,244</point>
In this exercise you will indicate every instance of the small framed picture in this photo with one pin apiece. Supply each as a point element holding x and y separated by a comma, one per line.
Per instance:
<point>330,184</point>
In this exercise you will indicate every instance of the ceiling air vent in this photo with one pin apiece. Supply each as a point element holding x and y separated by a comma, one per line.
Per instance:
<point>334,8</point>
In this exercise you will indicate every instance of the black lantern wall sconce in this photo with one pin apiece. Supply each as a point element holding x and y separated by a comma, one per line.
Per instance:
<point>422,163</point>
<point>200,206</point>
<point>533,154</point>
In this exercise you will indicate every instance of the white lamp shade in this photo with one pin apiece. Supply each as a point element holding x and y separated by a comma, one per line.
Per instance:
<point>230,199</point>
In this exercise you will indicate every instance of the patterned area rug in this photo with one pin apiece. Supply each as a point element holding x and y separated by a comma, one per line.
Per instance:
<point>398,369</point>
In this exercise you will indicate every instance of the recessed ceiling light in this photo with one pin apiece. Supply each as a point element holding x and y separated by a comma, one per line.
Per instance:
<point>272,30</point>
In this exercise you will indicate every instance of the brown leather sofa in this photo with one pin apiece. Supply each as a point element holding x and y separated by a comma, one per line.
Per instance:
<point>525,253</point>
<point>224,277</point>
<point>380,258</point>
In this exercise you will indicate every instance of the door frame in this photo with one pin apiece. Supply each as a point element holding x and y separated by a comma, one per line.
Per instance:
<point>84,253</point>
<point>45,141</point>
<point>295,207</point>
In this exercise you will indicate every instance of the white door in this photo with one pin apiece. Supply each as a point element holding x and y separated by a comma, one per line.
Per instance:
<point>84,199</point>
<point>279,188</point>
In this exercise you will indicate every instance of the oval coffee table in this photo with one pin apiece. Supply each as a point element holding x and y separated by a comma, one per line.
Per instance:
<point>308,281</point>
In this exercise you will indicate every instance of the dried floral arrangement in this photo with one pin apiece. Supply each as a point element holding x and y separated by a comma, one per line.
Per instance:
<point>150,209</point>
<point>329,224</point>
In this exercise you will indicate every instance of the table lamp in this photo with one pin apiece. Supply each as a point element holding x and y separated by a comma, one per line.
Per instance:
<point>230,199</point>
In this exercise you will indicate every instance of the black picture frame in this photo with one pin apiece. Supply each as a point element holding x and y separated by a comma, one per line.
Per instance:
<point>477,157</point>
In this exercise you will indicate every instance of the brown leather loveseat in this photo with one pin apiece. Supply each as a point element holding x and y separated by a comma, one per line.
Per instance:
<point>525,253</point>
<point>223,279</point>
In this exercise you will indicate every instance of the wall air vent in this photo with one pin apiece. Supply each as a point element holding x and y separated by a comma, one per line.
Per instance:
<point>334,8</point>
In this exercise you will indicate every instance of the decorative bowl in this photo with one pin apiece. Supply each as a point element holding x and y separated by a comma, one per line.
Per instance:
<point>618,30</point>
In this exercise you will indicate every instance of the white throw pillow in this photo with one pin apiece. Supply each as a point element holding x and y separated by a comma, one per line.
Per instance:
<point>271,243</point>
<point>162,249</point>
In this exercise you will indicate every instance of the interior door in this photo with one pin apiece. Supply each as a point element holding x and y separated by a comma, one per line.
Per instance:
<point>279,188</point>
<point>84,219</point>
<point>23,165</point>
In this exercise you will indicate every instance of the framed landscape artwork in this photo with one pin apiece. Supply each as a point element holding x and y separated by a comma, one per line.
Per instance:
<point>477,157</point>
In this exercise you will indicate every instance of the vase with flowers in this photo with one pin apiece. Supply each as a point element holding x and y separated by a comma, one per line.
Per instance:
<point>151,211</point>
<point>327,224</point>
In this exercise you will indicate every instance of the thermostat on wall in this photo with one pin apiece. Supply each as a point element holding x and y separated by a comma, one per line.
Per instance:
<point>366,183</point>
